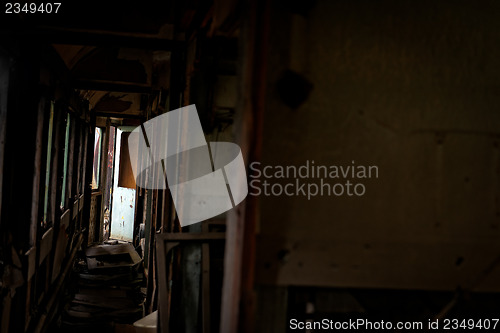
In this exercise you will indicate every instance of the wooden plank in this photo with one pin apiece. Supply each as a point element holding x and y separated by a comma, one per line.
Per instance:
<point>108,85</point>
<point>95,216</point>
<point>101,278</point>
<point>87,175</point>
<point>65,218</point>
<point>101,38</point>
<point>60,253</point>
<point>237,308</point>
<point>101,250</point>
<point>97,313</point>
<point>120,115</point>
<point>75,209</point>
<point>110,250</point>
<point>46,244</point>
<point>114,293</point>
<point>395,265</point>
<point>36,177</point>
<point>164,243</point>
<point>46,252</point>
<point>191,236</point>
<point>31,255</point>
<point>6,308</point>
<point>162,253</point>
<point>103,176</point>
<point>70,189</point>
<point>27,319</point>
<point>205,283</point>
<point>81,202</point>
<point>47,308</point>
<point>215,222</point>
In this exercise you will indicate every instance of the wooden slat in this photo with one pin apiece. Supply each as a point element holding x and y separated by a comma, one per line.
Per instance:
<point>70,172</point>
<point>162,253</point>
<point>101,38</point>
<point>107,250</point>
<point>46,244</point>
<point>60,253</point>
<point>205,283</point>
<point>238,285</point>
<point>65,219</point>
<point>6,308</point>
<point>101,250</point>
<point>31,255</point>
<point>81,201</point>
<point>35,202</point>
<point>191,236</point>
<point>75,209</point>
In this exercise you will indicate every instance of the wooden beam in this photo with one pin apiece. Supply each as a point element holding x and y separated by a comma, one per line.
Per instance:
<point>238,299</point>
<point>190,236</point>
<point>46,245</point>
<point>88,163</point>
<point>119,115</point>
<point>103,174</point>
<point>96,38</point>
<point>254,113</point>
<point>116,86</point>
<point>205,283</point>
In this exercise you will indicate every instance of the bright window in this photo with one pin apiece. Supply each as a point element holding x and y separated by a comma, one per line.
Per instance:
<point>97,158</point>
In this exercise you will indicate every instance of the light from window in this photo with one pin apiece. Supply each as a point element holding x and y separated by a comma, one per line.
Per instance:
<point>97,158</point>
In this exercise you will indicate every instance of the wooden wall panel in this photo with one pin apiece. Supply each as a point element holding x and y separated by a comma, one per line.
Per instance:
<point>95,210</point>
<point>418,105</point>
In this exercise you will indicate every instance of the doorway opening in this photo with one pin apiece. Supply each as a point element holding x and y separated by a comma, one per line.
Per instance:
<point>122,189</point>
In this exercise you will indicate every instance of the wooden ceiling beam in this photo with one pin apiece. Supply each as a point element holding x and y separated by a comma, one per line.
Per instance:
<point>115,86</point>
<point>100,38</point>
<point>119,115</point>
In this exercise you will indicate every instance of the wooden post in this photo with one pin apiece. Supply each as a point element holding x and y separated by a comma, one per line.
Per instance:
<point>237,292</point>
<point>103,175</point>
<point>87,180</point>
